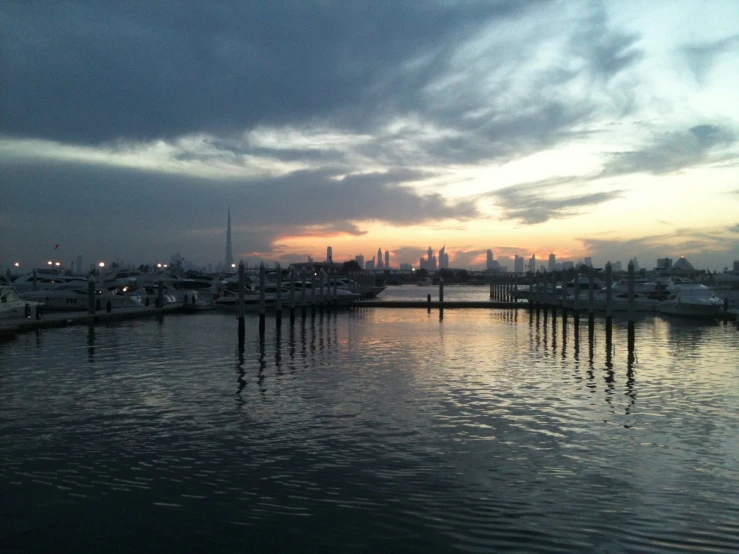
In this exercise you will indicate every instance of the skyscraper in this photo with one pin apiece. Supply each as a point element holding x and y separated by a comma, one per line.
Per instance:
<point>552,262</point>
<point>329,254</point>
<point>489,261</point>
<point>360,260</point>
<point>443,258</point>
<point>518,264</point>
<point>387,259</point>
<point>229,251</point>
<point>379,258</point>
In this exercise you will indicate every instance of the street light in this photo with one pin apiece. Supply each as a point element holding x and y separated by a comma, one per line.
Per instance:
<point>50,262</point>
<point>101,264</point>
<point>58,263</point>
<point>16,264</point>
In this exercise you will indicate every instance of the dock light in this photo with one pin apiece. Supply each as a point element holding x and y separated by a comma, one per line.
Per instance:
<point>102,264</point>
<point>50,262</point>
<point>58,263</point>
<point>159,265</point>
<point>16,264</point>
<point>233,265</point>
<point>165,265</point>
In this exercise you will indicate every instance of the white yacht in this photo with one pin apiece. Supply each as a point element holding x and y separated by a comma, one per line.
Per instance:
<point>620,301</point>
<point>12,306</point>
<point>73,297</point>
<point>45,279</point>
<point>691,300</point>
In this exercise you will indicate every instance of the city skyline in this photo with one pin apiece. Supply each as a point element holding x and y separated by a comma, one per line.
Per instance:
<point>596,129</point>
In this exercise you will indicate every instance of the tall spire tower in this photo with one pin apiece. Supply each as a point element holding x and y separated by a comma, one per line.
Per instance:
<point>229,252</point>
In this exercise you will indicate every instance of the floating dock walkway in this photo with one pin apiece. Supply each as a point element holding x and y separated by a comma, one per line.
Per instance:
<point>8,328</point>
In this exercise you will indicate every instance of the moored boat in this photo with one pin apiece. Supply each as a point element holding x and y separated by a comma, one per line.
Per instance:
<point>691,300</point>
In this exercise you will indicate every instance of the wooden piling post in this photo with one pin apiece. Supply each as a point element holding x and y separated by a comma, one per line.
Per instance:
<point>492,285</point>
<point>630,284</point>
<point>313,292</point>
<point>441,289</point>
<point>609,293</point>
<point>160,293</point>
<point>576,300</point>
<point>262,298</point>
<point>242,283</point>
<point>591,296</point>
<point>321,292</point>
<point>292,294</point>
<point>303,295</point>
<point>278,294</point>
<point>537,291</point>
<point>90,292</point>
<point>336,287</point>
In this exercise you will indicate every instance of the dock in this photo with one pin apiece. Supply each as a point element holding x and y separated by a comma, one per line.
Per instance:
<point>9,328</point>
<point>436,304</point>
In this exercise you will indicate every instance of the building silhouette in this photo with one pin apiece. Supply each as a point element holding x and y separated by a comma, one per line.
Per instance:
<point>443,258</point>
<point>518,264</point>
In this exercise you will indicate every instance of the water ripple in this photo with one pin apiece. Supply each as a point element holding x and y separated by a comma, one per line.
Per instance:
<point>479,431</point>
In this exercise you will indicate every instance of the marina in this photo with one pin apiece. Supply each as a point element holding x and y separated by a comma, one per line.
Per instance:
<point>371,429</point>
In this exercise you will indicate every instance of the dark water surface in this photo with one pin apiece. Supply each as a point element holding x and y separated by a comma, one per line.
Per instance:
<point>371,431</point>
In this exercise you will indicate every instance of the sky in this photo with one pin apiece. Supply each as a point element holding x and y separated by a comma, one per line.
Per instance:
<point>593,128</point>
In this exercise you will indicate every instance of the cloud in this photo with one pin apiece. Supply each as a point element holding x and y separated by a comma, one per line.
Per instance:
<point>435,83</point>
<point>540,201</point>
<point>87,74</point>
<point>157,214</point>
<point>702,57</point>
<point>701,245</point>
<point>672,152</point>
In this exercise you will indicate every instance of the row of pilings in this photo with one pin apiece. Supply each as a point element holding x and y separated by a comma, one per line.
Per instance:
<point>322,294</point>
<point>544,296</point>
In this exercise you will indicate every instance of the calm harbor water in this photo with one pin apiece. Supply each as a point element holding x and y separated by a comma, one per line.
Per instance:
<point>371,430</point>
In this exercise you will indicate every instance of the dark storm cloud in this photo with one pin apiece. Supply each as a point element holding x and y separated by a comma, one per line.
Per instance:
<point>144,212</point>
<point>671,152</point>
<point>91,72</point>
<point>540,201</point>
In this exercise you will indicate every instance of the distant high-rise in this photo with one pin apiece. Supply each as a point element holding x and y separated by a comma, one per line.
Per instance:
<point>379,258</point>
<point>229,250</point>
<point>664,263</point>
<point>736,266</point>
<point>329,254</point>
<point>387,259</point>
<point>443,258</point>
<point>518,264</point>
<point>429,264</point>
<point>490,259</point>
<point>532,264</point>
<point>552,262</point>
<point>589,261</point>
<point>360,260</point>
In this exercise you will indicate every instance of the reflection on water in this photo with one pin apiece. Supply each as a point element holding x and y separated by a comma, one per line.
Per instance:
<point>476,431</point>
